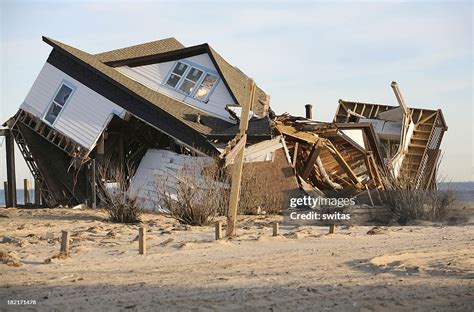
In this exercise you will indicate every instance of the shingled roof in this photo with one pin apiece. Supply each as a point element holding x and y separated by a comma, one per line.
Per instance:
<point>171,49</point>
<point>140,50</point>
<point>176,108</point>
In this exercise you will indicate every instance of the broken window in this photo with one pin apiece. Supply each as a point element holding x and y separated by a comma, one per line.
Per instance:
<point>185,78</point>
<point>59,100</point>
<point>205,87</point>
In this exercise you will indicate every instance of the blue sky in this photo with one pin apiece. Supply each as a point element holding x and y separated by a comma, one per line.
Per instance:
<point>299,52</point>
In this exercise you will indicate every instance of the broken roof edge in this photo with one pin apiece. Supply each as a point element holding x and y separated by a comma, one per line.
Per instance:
<point>445,125</point>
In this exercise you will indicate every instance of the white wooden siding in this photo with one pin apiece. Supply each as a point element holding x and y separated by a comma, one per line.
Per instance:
<point>160,169</point>
<point>85,115</point>
<point>153,76</point>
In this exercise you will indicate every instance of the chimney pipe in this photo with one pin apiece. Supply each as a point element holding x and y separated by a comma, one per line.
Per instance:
<point>309,111</point>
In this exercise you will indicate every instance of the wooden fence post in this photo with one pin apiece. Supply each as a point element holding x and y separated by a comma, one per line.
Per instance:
<point>26,191</point>
<point>218,230</point>
<point>276,229</point>
<point>5,191</point>
<point>332,229</point>
<point>142,241</point>
<point>65,242</point>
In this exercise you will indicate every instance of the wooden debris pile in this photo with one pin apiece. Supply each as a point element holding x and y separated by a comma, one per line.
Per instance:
<point>332,156</point>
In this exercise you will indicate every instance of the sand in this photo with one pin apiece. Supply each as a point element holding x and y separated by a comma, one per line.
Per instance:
<point>426,267</point>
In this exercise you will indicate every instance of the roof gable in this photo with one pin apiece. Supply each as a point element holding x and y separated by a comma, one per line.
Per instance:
<point>183,113</point>
<point>162,51</point>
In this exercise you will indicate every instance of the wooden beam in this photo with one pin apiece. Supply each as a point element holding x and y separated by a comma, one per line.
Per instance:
<point>11,177</point>
<point>238,165</point>
<point>26,191</point>
<point>5,192</point>
<point>37,194</point>
<point>340,160</point>
<point>309,165</point>
<point>295,154</point>
<point>427,118</point>
<point>235,150</point>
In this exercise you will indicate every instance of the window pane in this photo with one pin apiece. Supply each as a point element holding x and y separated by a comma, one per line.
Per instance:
<point>173,80</point>
<point>63,94</point>
<point>53,113</point>
<point>180,68</point>
<point>209,81</point>
<point>202,93</point>
<point>187,86</point>
<point>194,74</point>
<point>205,87</point>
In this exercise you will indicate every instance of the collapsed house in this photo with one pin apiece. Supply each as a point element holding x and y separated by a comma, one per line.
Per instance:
<point>366,147</point>
<point>112,107</point>
<point>157,109</point>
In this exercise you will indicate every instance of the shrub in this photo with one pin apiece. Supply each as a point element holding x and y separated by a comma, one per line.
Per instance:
<point>114,197</point>
<point>198,196</point>
<point>408,203</point>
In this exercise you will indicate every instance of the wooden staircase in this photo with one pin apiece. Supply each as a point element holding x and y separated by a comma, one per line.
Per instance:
<point>67,145</point>
<point>30,162</point>
<point>416,158</point>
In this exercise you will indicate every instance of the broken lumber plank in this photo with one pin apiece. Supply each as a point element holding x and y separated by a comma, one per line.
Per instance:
<point>229,158</point>
<point>295,154</point>
<point>309,165</point>
<point>238,165</point>
<point>299,135</point>
<point>344,165</point>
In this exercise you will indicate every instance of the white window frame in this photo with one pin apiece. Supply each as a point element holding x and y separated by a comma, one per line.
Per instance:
<point>52,102</point>
<point>198,83</point>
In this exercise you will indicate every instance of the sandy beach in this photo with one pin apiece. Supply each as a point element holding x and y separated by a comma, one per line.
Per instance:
<point>427,267</point>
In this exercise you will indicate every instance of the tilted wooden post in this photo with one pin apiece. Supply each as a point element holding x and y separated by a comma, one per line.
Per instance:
<point>142,241</point>
<point>65,242</point>
<point>93,179</point>
<point>218,230</point>
<point>26,191</point>
<point>37,194</point>
<point>238,164</point>
<point>276,229</point>
<point>5,191</point>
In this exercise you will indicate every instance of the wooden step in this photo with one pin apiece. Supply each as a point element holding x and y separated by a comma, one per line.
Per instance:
<point>419,139</point>
<point>414,154</point>
<point>421,131</point>
<point>416,146</point>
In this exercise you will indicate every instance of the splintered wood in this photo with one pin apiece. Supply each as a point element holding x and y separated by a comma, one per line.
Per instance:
<point>327,158</point>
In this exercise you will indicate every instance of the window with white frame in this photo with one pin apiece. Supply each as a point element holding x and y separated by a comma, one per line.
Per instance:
<point>192,81</point>
<point>57,104</point>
